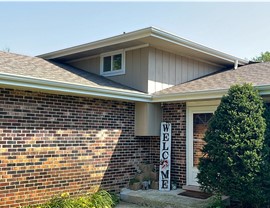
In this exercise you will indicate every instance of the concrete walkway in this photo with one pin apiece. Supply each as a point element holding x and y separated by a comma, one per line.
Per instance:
<point>159,199</point>
<point>128,205</point>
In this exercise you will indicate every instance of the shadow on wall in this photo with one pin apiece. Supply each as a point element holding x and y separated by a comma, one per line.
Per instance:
<point>51,144</point>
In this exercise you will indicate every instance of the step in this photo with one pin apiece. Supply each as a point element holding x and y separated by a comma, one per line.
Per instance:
<point>162,199</point>
<point>225,199</point>
<point>191,188</point>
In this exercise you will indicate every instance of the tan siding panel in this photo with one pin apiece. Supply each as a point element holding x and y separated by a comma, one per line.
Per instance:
<point>152,71</point>
<point>178,68</point>
<point>172,70</point>
<point>184,70</point>
<point>165,69</point>
<point>159,73</point>
<point>91,65</point>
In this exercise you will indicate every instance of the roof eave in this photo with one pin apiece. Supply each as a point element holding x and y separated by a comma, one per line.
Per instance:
<point>23,82</point>
<point>146,32</point>
<point>195,46</point>
<point>203,95</point>
<point>98,44</point>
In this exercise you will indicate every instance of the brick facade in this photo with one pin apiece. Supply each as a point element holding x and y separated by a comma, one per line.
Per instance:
<point>174,113</point>
<point>51,144</point>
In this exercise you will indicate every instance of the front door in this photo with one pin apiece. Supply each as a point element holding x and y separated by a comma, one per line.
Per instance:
<point>197,122</point>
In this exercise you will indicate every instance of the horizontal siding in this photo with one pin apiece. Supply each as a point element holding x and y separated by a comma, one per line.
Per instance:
<point>168,69</point>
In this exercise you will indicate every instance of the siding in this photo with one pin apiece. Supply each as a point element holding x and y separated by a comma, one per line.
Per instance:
<point>90,64</point>
<point>136,69</point>
<point>168,69</point>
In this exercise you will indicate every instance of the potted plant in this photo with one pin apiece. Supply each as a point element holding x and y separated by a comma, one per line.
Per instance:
<point>173,185</point>
<point>134,184</point>
<point>154,185</point>
<point>154,174</point>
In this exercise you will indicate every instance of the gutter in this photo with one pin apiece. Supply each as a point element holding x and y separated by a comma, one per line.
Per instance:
<point>142,33</point>
<point>23,82</point>
<point>36,84</point>
<point>203,95</point>
<point>98,44</point>
<point>188,96</point>
<point>158,33</point>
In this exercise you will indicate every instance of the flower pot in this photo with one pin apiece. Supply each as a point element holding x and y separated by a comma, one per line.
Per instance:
<point>154,176</point>
<point>154,185</point>
<point>135,186</point>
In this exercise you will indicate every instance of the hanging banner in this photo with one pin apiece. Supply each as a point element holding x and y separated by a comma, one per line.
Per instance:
<point>165,157</point>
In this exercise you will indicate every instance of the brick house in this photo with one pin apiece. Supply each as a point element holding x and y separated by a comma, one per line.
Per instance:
<point>83,118</point>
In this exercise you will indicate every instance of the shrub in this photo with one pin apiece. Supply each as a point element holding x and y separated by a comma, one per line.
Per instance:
<point>101,199</point>
<point>234,150</point>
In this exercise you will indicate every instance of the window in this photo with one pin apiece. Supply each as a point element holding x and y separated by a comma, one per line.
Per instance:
<point>112,63</point>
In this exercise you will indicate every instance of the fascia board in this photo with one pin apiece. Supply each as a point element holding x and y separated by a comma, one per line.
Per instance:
<point>99,44</point>
<point>203,95</point>
<point>199,95</point>
<point>146,32</point>
<point>194,46</point>
<point>67,88</point>
<point>263,89</point>
<point>82,90</point>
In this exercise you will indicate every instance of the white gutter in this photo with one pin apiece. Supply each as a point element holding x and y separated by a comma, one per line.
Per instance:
<point>203,95</point>
<point>188,96</point>
<point>22,82</point>
<point>98,44</point>
<point>146,32</point>
<point>194,46</point>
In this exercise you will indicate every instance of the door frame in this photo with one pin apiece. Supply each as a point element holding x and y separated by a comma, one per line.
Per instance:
<point>194,107</point>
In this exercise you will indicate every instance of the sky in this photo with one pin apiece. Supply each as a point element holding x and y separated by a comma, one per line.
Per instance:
<point>34,28</point>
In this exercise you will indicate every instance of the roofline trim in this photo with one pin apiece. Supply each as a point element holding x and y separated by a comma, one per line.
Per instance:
<point>195,46</point>
<point>99,43</point>
<point>72,89</point>
<point>146,32</point>
<point>23,82</point>
<point>203,95</point>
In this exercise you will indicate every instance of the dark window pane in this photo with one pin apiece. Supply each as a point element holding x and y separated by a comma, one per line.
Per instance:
<point>107,64</point>
<point>117,62</point>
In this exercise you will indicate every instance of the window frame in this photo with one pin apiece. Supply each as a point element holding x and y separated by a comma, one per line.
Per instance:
<point>111,72</point>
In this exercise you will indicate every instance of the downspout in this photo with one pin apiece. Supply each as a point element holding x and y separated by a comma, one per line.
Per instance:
<point>236,64</point>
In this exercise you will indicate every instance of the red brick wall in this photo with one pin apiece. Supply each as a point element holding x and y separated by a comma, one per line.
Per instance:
<point>174,113</point>
<point>51,144</point>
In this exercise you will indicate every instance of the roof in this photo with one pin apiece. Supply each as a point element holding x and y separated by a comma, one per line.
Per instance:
<point>150,36</point>
<point>24,72</point>
<point>48,72</point>
<point>258,74</point>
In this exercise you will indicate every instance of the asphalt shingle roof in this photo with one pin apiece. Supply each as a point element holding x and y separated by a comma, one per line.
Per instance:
<point>257,74</point>
<point>35,67</point>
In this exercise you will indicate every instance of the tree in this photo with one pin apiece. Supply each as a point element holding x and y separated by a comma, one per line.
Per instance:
<point>234,153</point>
<point>264,57</point>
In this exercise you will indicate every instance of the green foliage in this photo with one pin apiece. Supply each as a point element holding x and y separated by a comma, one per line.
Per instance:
<point>266,165</point>
<point>101,199</point>
<point>133,180</point>
<point>264,57</point>
<point>235,147</point>
<point>216,202</point>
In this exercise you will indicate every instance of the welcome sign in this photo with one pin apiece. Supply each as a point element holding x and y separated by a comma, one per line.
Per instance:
<point>165,157</point>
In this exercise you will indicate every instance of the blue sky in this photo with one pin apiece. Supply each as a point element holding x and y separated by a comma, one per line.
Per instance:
<point>33,28</point>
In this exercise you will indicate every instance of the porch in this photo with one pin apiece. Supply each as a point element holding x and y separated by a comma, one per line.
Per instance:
<point>163,199</point>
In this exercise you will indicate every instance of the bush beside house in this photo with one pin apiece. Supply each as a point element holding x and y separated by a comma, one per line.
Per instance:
<point>235,153</point>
